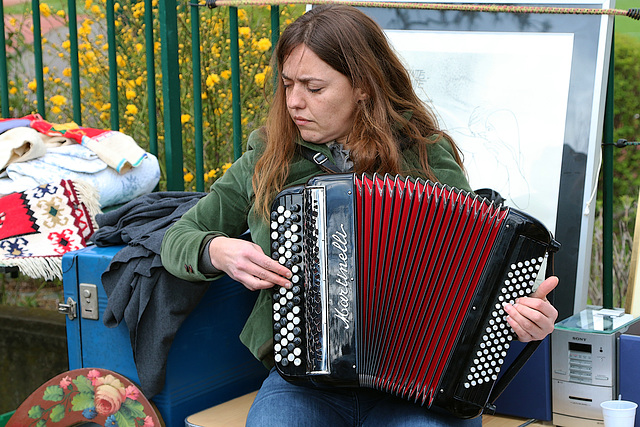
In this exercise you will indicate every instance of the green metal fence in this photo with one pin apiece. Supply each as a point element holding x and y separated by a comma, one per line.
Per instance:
<point>171,97</point>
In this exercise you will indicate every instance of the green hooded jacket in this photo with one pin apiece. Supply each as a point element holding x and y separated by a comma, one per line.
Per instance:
<point>228,210</point>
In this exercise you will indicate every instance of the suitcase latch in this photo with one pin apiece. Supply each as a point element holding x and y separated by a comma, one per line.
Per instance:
<point>68,309</point>
<point>89,301</point>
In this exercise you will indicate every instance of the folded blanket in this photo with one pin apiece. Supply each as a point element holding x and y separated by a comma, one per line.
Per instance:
<point>116,149</point>
<point>79,163</point>
<point>151,301</point>
<point>41,224</point>
<point>20,144</point>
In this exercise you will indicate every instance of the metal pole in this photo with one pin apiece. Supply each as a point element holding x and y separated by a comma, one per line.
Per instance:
<point>171,94</point>
<point>607,192</point>
<point>235,83</point>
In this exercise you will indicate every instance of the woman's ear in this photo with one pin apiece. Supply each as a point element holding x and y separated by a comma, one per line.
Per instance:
<point>360,95</point>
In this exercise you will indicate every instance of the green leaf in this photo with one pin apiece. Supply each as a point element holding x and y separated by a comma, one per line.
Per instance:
<point>82,401</point>
<point>134,408</point>
<point>57,413</point>
<point>53,393</point>
<point>35,412</point>
<point>124,419</point>
<point>84,384</point>
<point>41,423</point>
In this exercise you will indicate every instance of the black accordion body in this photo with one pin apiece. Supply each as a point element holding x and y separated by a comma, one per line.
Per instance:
<point>399,286</point>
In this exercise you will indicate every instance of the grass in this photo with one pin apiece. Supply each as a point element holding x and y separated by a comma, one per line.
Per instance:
<point>624,24</point>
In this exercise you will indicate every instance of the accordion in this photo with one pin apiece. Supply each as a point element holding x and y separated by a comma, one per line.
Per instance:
<point>399,286</point>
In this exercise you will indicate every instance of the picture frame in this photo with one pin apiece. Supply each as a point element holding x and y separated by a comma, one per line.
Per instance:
<point>523,95</point>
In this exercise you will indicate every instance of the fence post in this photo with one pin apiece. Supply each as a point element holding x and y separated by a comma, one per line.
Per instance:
<point>171,94</point>
<point>607,191</point>
<point>37,52</point>
<point>197,96</point>
<point>4,80</point>
<point>151,77</point>
<point>75,67</point>
<point>113,65</point>
<point>235,82</point>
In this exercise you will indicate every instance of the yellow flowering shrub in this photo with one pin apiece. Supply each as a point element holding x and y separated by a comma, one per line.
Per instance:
<point>132,80</point>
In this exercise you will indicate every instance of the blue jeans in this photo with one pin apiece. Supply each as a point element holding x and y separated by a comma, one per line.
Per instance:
<point>280,403</point>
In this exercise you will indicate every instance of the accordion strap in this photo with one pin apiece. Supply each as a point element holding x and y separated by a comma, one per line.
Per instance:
<point>320,159</point>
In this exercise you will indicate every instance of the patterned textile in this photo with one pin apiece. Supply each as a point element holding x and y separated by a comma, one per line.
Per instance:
<point>39,225</point>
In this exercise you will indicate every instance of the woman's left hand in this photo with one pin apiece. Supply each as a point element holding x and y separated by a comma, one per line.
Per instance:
<point>533,317</point>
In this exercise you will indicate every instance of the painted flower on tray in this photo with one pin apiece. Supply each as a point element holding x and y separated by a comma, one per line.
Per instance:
<point>111,422</point>
<point>132,392</point>
<point>65,382</point>
<point>110,395</point>
<point>89,413</point>
<point>93,375</point>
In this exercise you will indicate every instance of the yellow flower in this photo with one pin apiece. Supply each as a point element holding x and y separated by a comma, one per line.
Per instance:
<point>259,79</point>
<point>87,4</point>
<point>132,109</point>
<point>226,74</point>
<point>84,31</point>
<point>139,47</point>
<point>130,94</point>
<point>188,177</point>
<point>60,13</point>
<point>242,14</point>
<point>95,9</point>
<point>120,60</point>
<point>225,167</point>
<point>45,10</point>
<point>212,79</point>
<point>13,90</point>
<point>55,110</point>
<point>264,44</point>
<point>244,32</point>
<point>185,118</point>
<point>32,85</point>
<point>45,70</point>
<point>58,100</point>
<point>66,72</point>
<point>66,44</point>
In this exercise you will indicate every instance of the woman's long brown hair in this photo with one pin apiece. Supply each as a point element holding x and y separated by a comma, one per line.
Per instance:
<point>353,44</point>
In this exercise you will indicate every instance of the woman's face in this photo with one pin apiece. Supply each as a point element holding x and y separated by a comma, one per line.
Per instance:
<point>320,99</point>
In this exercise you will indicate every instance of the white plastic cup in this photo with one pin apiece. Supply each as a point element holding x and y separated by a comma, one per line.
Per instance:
<point>619,413</point>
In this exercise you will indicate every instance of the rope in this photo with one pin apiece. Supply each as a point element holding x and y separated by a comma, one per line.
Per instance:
<point>632,13</point>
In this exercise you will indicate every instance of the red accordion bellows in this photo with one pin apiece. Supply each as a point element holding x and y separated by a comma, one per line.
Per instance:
<point>432,237</point>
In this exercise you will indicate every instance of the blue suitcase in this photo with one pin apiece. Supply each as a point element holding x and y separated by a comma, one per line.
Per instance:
<point>207,364</point>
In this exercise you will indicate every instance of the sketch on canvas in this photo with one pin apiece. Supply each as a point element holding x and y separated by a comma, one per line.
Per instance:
<point>503,98</point>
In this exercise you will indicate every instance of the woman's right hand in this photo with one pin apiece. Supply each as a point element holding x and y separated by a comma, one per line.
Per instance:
<point>245,262</point>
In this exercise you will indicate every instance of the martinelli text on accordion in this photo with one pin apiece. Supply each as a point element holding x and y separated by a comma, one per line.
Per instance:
<point>399,285</point>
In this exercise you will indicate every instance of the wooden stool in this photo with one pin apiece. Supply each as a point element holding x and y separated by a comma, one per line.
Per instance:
<point>234,414</point>
<point>228,414</point>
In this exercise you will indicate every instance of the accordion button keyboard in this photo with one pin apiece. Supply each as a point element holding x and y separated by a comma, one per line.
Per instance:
<point>287,250</point>
<point>492,349</point>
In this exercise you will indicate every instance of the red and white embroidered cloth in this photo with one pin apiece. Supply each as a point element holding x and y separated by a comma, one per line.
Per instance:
<point>39,225</point>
